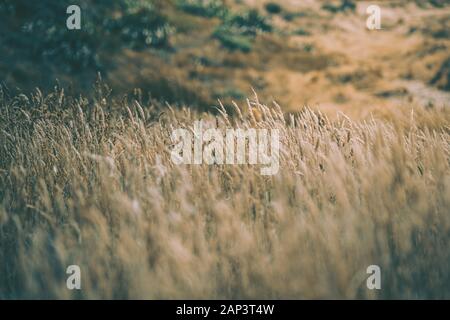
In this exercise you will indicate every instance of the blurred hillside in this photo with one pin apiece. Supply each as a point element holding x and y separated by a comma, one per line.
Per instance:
<point>196,51</point>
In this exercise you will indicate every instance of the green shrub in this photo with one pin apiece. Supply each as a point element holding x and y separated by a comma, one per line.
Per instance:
<point>250,22</point>
<point>273,8</point>
<point>302,32</point>
<point>231,39</point>
<point>348,5</point>
<point>343,6</point>
<point>237,31</point>
<point>142,27</point>
<point>38,28</point>
<point>204,8</point>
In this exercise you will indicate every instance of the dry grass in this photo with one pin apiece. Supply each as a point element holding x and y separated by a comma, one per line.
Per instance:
<point>91,183</point>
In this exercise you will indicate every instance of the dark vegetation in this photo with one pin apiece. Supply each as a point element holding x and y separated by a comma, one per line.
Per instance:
<point>442,77</point>
<point>236,32</point>
<point>273,7</point>
<point>343,5</point>
<point>35,33</point>
<point>37,47</point>
<point>204,8</point>
<point>39,29</point>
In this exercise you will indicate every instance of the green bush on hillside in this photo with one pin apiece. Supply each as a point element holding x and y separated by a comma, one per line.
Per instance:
<point>250,22</point>
<point>343,6</point>
<point>273,8</point>
<point>204,8</point>
<point>142,26</point>
<point>231,39</point>
<point>237,31</point>
<point>39,29</point>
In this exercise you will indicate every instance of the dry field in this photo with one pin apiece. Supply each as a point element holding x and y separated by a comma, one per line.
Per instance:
<point>90,182</point>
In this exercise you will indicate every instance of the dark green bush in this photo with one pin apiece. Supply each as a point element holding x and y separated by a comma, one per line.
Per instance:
<point>442,77</point>
<point>273,8</point>
<point>302,32</point>
<point>204,8</point>
<point>237,31</point>
<point>141,27</point>
<point>231,39</point>
<point>250,22</point>
<point>38,28</point>
<point>343,6</point>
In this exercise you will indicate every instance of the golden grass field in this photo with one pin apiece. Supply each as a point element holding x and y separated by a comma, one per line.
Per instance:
<point>90,182</point>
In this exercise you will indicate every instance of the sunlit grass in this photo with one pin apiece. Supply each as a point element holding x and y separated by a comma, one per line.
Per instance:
<point>90,182</point>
